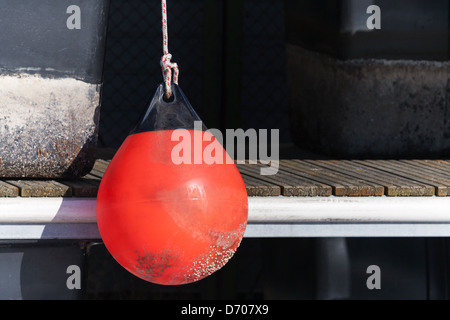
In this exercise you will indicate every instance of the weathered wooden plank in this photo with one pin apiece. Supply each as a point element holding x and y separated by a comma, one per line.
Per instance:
<point>291,185</point>
<point>440,181</point>
<point>259,188</point>
<point>41,188</point>
<point>100,165</point>
<point>295,178</point>
<point>441,184</point>
<point>97,173</point>
<point>86,186</point>
<point>394,185</point>
<point>93,178</point>
<point>439,175</point>
<point>83,187</point>
<point>8,190</point>
<point>343,185</point>
<point>440,168</point>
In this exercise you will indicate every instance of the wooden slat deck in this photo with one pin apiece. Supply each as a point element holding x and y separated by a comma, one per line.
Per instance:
<point>295,178</point>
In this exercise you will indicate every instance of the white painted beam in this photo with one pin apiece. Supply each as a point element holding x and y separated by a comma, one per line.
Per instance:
<point>348,209</point>
<point>47,210</point>
<point>75,218</point>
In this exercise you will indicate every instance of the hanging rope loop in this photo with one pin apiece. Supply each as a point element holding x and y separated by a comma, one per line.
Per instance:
<point>166,64</point>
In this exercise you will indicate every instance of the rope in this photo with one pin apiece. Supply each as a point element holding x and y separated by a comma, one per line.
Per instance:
<point>166,64</point>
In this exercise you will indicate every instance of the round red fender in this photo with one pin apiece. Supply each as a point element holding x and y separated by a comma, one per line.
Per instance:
<point>170,223</point>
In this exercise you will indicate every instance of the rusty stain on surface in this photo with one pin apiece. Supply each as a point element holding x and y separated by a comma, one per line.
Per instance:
<point>153,266</point>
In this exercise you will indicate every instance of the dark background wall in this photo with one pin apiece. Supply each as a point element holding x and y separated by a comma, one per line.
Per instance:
<point>231,56</point>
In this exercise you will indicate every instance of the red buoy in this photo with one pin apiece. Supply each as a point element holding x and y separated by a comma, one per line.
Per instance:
<point>165,222</point>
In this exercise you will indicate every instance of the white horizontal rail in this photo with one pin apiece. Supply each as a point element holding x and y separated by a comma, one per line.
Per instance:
<point>47,210</point>
<point>349,209</point>
<point>57,218</point>
<point>261,209</point>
